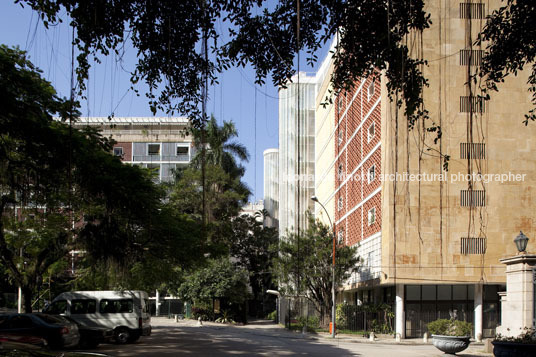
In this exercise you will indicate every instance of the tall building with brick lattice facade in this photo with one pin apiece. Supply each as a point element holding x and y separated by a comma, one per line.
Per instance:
<point>430,240</point>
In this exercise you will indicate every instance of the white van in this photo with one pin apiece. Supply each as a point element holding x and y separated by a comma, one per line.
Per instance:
<point>126,312</point>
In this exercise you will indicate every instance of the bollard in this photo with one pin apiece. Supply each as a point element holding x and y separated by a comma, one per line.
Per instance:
<point>479,337</point>
<point>425,337</point>
<point>398,337</point>
<point>199,322</point>
<point>371,336</point>
<point>176,318</point>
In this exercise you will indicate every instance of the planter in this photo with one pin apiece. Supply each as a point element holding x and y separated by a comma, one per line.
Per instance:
<point>513,349</point>
<point>451,344</point>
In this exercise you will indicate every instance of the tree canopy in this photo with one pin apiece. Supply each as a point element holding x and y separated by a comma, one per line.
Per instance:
<point>510,35</point>
<point>61,188</point>
<point>171,38</point>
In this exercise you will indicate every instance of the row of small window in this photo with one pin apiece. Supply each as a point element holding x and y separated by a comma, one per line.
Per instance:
<point>371,175</point>
<point>89,306</point>
<point>371,132</point>
<point>370,94</point>
<point>154,150</point>
<point>371,221</point>
<point>371,213</point>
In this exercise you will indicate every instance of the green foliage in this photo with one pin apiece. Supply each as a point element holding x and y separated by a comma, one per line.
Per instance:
<point>272,315</point>
<point>71,172</point>
<point>220,279</point>
<point>172,63</point>
<point>219,150</point>
<point>450,327</point>
<point>225,318</point>
<point>304,264</point>
<point>381,324</point>
<point>203,313</point>
<point>251,244</point>
<point>510,46</point>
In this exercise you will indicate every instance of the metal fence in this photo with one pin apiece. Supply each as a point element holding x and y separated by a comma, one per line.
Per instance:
<point>297,312</point>
<point>357,318</point>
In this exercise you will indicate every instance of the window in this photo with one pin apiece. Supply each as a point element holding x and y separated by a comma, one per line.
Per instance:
<point>182,150</point>
<point>108,306</point>
<point>371,173</point>
<point>473,198</point>
<point>340,237</point>
<point>341,134</point>
<point>340,104</point>
<point>340,172</point>
<point>372,216</point>
<point>471,57</point>
<point>473,245</point>
<point>21,321</point>
<point>370,133</point>
<point>153,149</point>
<point>83,306</point>
<point>370,90</point>
<point>474,104</point>
<point>472,150</point>
<point>118,151</point>
<point>340,203</point>
<point>58,307</point>
<point>471,10</point>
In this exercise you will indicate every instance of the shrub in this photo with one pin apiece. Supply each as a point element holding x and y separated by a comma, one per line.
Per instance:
<point>450,327</point>
<point>272,315</point>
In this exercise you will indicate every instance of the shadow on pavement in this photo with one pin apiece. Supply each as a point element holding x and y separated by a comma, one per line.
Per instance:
<point>222,341</point>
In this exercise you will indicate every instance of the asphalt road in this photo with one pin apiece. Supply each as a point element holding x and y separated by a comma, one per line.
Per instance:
<point>260,339</point>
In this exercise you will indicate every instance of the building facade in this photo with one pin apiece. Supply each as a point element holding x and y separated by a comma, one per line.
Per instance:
<point>296,152</point>
<point>271,187</point>
<point>431,239</point>
<point>158,143</point>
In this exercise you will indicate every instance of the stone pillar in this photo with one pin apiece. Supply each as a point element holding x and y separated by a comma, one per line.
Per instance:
<point>399,311</point>
<point>157,303</point>
<point>518,304</point>
<point>479,288</point>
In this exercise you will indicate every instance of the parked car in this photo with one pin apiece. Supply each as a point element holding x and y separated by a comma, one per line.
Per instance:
<point>91,337</point>
<point>19,349</point>
<point>125,312</point>
<point>55,330</point>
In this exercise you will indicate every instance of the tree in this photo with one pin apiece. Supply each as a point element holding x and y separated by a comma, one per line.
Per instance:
<point>304,264</point>
<point>171,38</point>
<point>219,151</point>
<point>220,279</point>
<point>252,247</point>
<point>510,33</point>
<point>61,188</point>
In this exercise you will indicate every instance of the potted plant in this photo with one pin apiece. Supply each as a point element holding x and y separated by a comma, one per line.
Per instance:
<point>450,336</point>
<point>524,345</point>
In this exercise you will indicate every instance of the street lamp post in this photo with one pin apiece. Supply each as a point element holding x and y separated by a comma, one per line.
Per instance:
<point>315,199</point>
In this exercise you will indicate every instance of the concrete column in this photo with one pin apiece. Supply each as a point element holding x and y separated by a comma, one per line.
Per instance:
<point>157,303</point>
<point>518,304</point>
<point>479,288</point>
<point>399,311</point>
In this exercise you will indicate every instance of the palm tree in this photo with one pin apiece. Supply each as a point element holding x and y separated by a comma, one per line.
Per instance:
<point>219,150</point>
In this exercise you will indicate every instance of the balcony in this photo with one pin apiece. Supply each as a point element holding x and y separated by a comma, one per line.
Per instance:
<point>161,158</point>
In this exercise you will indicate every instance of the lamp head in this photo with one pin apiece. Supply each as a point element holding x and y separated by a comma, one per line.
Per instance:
<point>521,242</point>
<point>314,198</point>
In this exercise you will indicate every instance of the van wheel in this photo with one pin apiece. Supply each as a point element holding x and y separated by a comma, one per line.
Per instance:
<point>122,335</point>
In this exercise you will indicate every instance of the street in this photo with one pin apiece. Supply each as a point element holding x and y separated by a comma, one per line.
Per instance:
<point>260,338</point>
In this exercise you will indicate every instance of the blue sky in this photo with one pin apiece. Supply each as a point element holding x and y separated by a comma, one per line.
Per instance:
<point>255,116</point>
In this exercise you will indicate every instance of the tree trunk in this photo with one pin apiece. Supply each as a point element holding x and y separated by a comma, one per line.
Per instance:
<point>27,297</point>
